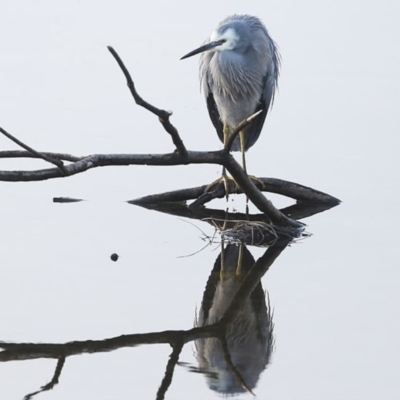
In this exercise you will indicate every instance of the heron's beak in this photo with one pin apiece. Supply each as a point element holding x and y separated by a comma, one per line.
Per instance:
<point>203,48</point>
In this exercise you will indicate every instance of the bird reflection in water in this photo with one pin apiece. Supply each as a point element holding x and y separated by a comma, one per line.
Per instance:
<point>249,337</point>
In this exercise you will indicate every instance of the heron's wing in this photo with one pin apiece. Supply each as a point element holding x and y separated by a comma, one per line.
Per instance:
<point>206,82</point>
<point>214,115</point>
<point>265,102</point>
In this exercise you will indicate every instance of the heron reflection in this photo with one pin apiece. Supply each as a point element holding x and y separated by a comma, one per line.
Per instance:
<point>249,339</point>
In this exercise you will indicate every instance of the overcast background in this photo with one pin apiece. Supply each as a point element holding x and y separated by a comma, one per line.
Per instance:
<point>334,126</point>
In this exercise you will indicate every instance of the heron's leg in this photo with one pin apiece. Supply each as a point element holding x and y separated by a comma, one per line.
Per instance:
<point>253,178</point>
<point>225,131</point>
<point>239,263</point>
<point>224,176</point>
<point>242,150</point>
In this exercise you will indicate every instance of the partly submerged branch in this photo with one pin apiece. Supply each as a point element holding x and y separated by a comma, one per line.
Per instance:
<point>298,192</point>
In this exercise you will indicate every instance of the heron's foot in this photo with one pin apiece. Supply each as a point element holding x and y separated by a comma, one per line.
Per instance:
<point>223,179</point>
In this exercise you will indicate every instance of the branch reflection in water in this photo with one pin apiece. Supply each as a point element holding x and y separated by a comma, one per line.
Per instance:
<point>234,328</point>
<point>233,360</point>
<point>176,338</point>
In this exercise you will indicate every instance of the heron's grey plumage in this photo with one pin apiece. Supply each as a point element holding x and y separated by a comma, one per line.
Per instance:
<point>242,79</point>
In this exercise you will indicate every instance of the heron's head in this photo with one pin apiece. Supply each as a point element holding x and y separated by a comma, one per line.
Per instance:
<point>236,33</point>
<point>224,38</point>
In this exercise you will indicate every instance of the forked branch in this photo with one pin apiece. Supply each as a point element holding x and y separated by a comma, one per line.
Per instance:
<point>161,114</point>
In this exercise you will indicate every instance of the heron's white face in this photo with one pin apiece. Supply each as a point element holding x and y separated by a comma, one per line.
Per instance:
<point>230,39</point>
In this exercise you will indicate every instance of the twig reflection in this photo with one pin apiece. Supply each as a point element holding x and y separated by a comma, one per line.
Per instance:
<point>53,382</point>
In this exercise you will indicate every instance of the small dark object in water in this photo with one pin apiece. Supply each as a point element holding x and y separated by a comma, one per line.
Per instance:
<point>114,256</point>
<point>65,200</point>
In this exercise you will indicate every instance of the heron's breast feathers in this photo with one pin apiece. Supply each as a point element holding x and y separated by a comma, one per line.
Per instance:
<point>234,81</point>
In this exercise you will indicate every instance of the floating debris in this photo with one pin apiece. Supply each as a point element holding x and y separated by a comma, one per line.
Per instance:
<point>65,200</point>
<point>261,234</point>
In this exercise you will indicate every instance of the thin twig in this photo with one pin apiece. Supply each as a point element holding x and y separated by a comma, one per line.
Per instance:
<point>162,114</point>
<point>26,154</point>
<point>51,160</point>
<point>237,129</point>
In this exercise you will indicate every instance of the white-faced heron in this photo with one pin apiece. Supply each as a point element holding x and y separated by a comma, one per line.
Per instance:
<point>239,69</point>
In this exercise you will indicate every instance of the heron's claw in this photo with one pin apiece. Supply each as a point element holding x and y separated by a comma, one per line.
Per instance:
<point>225,180</point>
<point>256,180</point>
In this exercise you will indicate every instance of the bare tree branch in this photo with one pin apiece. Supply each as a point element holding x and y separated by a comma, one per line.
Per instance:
<point>219,157</point>
<point>179,157</point>
<point>83,164</point>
